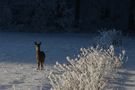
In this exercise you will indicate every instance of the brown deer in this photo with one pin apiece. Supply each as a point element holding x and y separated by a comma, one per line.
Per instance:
<point>40,56</point>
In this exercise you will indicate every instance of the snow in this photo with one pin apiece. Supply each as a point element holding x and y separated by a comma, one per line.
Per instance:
<point>19,47</point>
<point>129,67</point>
<point>18,63</point>
<point>22,76</point>
<point>126,75</point>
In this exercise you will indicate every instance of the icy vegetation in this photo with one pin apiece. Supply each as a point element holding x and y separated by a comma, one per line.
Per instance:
<point>91,68</point>
<point>109,37</point>
<point>88,71</point>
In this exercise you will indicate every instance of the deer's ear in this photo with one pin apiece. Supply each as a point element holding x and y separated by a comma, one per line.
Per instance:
<point>39,43</point>
<point>35,43</point>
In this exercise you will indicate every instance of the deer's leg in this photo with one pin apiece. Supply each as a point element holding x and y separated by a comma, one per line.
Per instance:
<point>38,65</point>
<point>42,64</point>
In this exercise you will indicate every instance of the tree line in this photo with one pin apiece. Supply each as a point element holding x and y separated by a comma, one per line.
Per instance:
<point>65,15</point>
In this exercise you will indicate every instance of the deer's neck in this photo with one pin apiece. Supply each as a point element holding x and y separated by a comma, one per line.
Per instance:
<point>37,51</point>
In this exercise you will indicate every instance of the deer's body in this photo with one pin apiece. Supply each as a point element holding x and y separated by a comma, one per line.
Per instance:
<point>40,56</point>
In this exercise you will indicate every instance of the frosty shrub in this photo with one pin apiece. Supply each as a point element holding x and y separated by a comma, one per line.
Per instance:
<point>89,71</point>
<point>109,37</point>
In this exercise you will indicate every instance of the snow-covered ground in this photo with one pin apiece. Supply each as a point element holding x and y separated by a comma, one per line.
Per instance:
<point>18,64</point>
<point>23,77</point>
<point>17,57</point>
<point>129,68</point>
<point>19,47</point>
<point>126,75</point>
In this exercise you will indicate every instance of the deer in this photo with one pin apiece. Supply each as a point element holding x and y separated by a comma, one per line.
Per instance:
<point>40,56</point>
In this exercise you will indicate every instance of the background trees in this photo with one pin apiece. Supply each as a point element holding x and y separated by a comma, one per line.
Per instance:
<point>67,15</point>
<point>131,22</point>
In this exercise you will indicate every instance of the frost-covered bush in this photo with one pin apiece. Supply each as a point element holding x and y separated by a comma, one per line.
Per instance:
<point>109,37</point>
<point>89,71</point>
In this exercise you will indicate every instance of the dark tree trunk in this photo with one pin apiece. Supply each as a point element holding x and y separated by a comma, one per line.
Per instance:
<point>77,12</point>
<point>59,9</point>
<point>131,23</point>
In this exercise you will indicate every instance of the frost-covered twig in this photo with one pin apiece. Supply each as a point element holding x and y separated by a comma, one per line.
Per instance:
<point>109,37</point>
<point>88,71</point>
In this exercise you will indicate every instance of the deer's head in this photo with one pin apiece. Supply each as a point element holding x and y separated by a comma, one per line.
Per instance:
<point>37,45</point>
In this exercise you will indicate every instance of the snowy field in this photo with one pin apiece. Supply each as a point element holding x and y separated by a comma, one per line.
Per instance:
<point>17,57</point>
<point>18,64</point>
